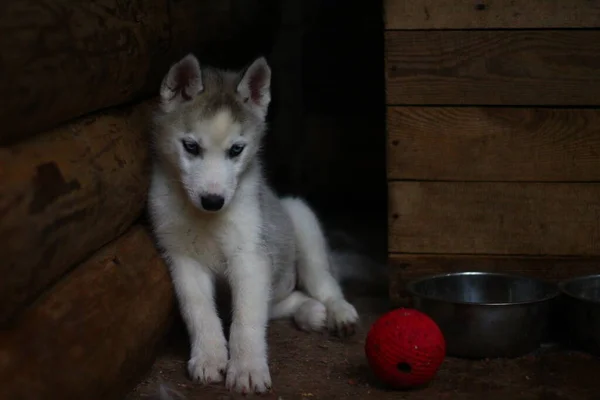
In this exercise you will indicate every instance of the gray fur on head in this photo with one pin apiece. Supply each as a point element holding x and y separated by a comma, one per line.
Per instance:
<point>208,89</point>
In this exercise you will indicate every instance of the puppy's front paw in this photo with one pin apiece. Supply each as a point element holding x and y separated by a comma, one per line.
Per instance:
<point>341,317</point>
<point>208,365</point>
<point>247,376</point>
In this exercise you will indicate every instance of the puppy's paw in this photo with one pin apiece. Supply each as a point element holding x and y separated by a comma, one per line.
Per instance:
<point>341,317</point>
<point>246,376</point>
<point>208,364</point>
<point>311,316</point>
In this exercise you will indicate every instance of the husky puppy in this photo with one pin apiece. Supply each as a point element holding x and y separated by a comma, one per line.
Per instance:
<point>214,215</point>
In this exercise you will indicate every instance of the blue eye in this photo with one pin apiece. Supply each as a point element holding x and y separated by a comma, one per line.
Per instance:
<point>235,150</point>
<point>191,147</point>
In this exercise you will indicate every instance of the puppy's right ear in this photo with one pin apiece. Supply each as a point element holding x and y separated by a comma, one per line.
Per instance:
<point>182,84</point>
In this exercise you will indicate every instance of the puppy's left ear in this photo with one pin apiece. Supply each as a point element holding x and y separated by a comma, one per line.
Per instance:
<point>255,86</point>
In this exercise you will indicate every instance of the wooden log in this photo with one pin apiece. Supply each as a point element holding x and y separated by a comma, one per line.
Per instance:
<point>507,67</point>
<point>63,59</point>
<point>493,144</point>
<point>96,331</point>
<point>459,14</point>
<point>405,267</point>
<point>494,218</point>
<point>65,194</point>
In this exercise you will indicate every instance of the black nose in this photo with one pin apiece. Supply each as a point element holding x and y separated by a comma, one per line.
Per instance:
<point>212,202</point>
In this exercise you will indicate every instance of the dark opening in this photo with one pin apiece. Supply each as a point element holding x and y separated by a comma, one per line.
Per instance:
<point>404,367</point>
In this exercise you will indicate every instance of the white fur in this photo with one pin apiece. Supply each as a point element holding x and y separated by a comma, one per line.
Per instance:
<point>272,251</point>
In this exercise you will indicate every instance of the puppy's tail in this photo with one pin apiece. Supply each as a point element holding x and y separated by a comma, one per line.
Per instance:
<point>350,261</point>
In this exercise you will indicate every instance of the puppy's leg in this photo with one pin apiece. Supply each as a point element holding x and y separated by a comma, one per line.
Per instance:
<point>314,273</point>
<point>309,314</point>
<point>195,291</point>
<point>250,279</point>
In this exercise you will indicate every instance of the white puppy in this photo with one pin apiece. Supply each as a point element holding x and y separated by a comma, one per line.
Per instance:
<point>214,215</point>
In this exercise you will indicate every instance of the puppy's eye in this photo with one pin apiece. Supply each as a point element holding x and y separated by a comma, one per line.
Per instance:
<point>235,150</point>
<point>191,147</point>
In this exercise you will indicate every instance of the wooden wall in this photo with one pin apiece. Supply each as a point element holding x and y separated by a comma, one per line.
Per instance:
<point>493,137</point>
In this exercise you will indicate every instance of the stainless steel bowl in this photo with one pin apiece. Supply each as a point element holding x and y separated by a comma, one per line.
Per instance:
<point>581,308</point>
<point>486,315</point>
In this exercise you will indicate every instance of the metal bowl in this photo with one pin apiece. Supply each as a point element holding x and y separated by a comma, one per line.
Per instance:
<point>486,315</point>
<point>581,308</point>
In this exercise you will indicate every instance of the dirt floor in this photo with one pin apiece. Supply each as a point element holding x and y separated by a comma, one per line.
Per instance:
<point>316,366</point>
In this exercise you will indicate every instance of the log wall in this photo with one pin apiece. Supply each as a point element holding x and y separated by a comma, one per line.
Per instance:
<point>91,334</point>
<point>66,193</point>
<point>68,58</point>
<point>85,298</point>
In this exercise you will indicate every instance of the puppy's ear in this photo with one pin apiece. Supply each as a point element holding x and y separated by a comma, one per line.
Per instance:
<point>255,86</point>
<point>182,83</point>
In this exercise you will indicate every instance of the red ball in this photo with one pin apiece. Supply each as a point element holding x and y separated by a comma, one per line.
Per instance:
<point>405,348</point>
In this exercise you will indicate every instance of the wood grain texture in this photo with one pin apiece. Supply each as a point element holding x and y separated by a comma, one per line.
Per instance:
<point>405,267</point>
<point>494,218</point>
<point>96,331</point>
<point>493,144</point>
<point>66,193</point>
<point>64,59</point>
<point>459,14</point>
<point>507,67</point>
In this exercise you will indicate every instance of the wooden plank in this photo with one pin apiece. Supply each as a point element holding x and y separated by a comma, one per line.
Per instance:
<point>65,194</point>
<point>493,144</point>
<point>66,59</point>
<point>404,267</point>
<point>96,331</point>
<point>459,14</point>
<point>494,218</point>
<point>493,67</point>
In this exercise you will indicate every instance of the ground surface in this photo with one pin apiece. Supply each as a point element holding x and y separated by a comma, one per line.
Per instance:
<point>314,366</point>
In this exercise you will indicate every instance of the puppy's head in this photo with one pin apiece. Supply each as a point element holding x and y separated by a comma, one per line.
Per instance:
<point>209,127</point>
